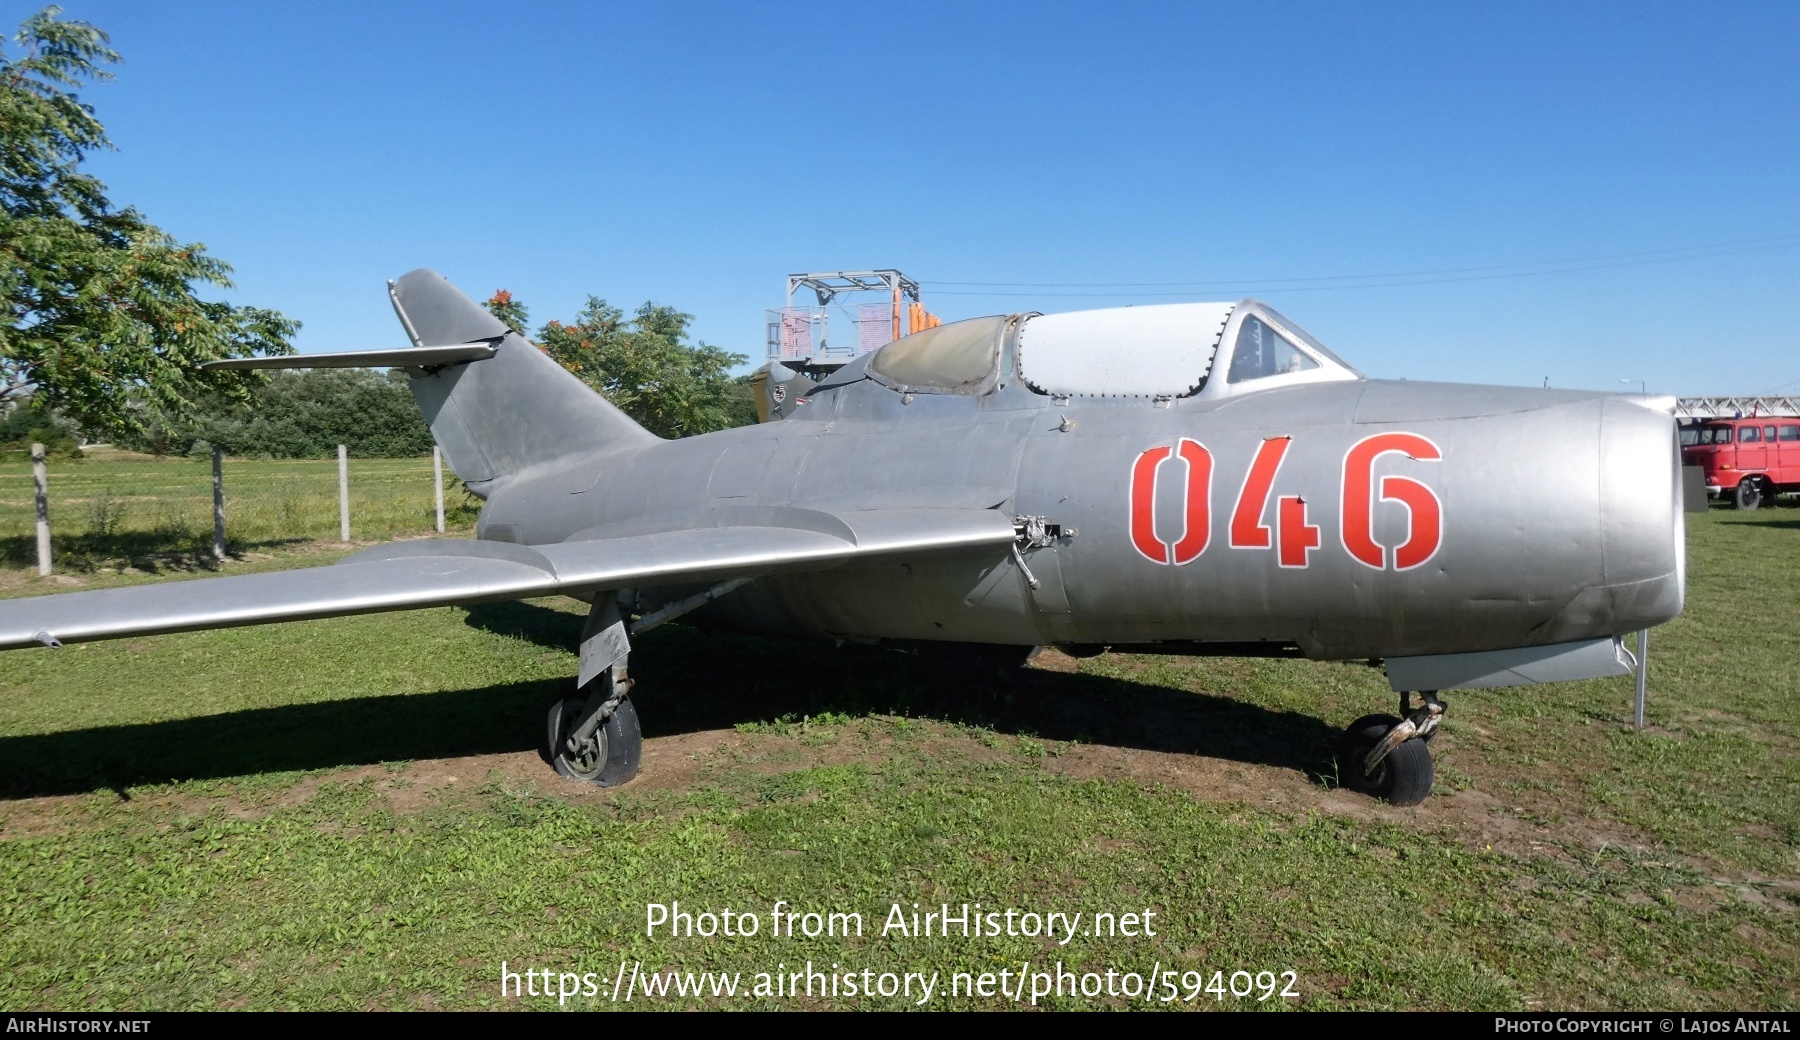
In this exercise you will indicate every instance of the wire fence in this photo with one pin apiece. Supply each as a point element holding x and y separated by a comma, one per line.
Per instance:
<point>115,509</point>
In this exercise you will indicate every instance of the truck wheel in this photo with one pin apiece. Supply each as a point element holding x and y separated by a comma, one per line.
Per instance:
<point>1749,496</point>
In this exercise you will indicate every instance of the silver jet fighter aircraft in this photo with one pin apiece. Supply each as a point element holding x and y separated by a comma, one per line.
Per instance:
<point>1193,479</point>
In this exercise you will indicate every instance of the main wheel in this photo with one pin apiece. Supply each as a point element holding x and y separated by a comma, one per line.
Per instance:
<point>609,758</point>
<point>1748,496</point>
<point>1403,777</point>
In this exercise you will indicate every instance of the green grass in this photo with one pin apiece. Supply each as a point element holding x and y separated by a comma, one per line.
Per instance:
<point>347,814</point>
<point>118,509</point>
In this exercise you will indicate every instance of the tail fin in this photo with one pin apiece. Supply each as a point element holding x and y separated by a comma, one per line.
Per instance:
<point>497,416</point>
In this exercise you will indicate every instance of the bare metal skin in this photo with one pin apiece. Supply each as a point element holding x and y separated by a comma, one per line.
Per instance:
<point>1468,535</point>
<point>1561,515</point>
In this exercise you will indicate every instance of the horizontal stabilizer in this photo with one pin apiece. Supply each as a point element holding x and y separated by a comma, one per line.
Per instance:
<point>441,572</point>
<point>405,357</point>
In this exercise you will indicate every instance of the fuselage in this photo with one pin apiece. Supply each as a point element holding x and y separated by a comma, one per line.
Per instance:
<point>1350,519</point>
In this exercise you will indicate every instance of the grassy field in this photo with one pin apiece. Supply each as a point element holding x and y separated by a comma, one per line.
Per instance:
<point>119,508</point>
<point>352,813</point>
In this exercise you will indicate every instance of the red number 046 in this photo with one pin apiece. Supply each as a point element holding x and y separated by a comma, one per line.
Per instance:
<point>1294,539</point>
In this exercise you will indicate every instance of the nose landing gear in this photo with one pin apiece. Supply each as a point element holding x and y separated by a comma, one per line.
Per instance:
<point>1388,757</point>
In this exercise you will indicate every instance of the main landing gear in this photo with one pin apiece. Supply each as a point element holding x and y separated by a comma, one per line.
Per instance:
<point>1389,757</point>
<point>594,735</point>
<point>595,748</point>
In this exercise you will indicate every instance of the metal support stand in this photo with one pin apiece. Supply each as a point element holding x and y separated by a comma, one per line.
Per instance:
<point>343,493</point>
<point>218,455</point>
<point>437,483</point>
<point>41,477</point>
<point>1643,676</point>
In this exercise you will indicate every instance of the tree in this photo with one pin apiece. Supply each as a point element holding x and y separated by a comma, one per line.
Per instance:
<point>301,415</point>
<point>98,316</point>
<point>502,305</point>
<point>647,368</point>
<point>29,422</point>
<point>743,400</point>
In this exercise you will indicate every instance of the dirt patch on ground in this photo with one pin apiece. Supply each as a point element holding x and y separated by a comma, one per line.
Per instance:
<point>1477,819</point>
<point>675,763</point>
<point>408,788</point>
<point>37,817</point>
<point>12,580</point>
<point>1076,735</point>
<point>688,761</point>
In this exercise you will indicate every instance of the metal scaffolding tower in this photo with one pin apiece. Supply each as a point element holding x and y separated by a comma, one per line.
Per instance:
<point>800,336</point>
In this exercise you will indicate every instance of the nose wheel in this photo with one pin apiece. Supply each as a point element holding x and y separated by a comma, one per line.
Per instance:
<point>1388,757</point>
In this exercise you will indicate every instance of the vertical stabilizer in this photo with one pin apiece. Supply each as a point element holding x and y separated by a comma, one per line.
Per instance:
<point>499,416</point>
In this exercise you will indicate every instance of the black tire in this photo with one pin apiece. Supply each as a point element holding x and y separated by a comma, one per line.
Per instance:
<point>1403,778</point>
<point>611,758</point>
<point>1748,495</point>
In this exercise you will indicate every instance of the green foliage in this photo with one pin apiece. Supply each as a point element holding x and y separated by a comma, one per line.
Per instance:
<point>647,368</point>
<point>31,422</point>
<point>743,402</point>
<point>299,415</point>
<point>97,305</point>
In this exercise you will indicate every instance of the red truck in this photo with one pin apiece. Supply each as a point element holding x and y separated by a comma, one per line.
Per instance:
<point>1749,460</point>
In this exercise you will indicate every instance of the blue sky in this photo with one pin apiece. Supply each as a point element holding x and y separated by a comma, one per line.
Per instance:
<point>1640,160</point>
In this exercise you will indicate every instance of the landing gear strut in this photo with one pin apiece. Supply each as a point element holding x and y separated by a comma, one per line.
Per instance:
<point>1388,757</point>
<point>594,735</point>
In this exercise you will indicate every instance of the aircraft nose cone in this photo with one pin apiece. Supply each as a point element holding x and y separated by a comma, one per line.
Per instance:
<point>1643,531</point>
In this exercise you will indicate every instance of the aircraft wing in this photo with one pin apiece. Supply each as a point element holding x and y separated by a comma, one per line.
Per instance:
<point>711,546</point>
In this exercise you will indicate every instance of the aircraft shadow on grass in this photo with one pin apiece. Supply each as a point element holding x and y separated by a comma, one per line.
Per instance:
<point>689,680</point>
<point>1786,524</point>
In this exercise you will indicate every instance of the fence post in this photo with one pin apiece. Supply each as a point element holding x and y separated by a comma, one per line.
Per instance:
<point>437,483</point>
<point>41,477</point>
<point>218,454</point>
<point>1643,675</point>
<point>343,494</point>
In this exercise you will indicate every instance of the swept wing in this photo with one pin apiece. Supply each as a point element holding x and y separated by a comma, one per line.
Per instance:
<point>710,546</point>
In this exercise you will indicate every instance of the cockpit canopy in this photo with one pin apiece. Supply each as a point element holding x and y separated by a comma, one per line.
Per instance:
<point>962,357</point>
<point>1163,351</point>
